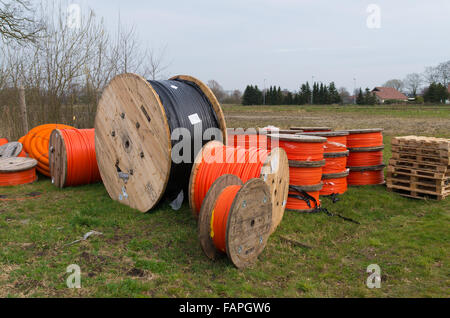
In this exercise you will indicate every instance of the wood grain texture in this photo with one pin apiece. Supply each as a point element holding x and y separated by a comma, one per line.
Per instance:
<point>16,164</point>
<point>58,158</point>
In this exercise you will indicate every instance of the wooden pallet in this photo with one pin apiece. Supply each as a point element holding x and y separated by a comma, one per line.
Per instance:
<point>422,142</point>
<point>437,167</point>
<point>421,158</point>
<point>417,195</point>
<point>440,153</point>
<point>436,188</point>
<point>417,172</point>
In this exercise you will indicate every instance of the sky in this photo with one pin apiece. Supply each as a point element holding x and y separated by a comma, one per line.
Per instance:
<point>288,42</point>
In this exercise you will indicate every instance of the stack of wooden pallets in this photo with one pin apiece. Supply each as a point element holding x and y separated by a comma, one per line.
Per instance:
<point>420,167</point>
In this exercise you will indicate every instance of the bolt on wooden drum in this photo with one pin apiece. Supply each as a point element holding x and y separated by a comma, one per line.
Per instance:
<point>247,225</point>
<point>133,136</point>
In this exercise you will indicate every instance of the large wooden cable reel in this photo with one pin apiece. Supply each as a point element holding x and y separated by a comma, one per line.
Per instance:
<point>133,139</point>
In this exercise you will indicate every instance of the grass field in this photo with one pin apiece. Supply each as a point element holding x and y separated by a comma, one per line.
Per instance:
<point>158,255</point>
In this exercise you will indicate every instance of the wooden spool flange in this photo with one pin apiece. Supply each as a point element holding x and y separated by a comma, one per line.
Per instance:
<point>57,158</point>
<point>325,133</point>
<point>11,149</point>
<point>275,172</point>
<point>249,220</point>
<point>133,142</point>
<point>312,128</point>
<point>364,131</point>
<point>336,154</point>
<point>336,175</point>
<point>367,149</point>
<point>306,164</point>
<point>298,138</point>
<point>17,164</point>
<point>368,168</point>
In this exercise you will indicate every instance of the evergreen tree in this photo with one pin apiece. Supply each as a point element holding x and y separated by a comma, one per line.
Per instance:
<point>436,93</point>
<point>360,98</point>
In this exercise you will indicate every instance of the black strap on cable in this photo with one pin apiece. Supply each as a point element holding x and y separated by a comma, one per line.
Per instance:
<point>303,195</point>
<point>182,99</point>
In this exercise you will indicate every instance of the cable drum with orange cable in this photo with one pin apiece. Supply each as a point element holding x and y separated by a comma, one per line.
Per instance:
<point>72,157</point>
<point>371,137</point>
<point>247,138</point>
<point>334,183</point>
<point>336,162</point>
<point>300,147</point>
<point>216,160</point>
<point>235,219</point>
<point>36,144</point>
<point>364,157</point>
<point>361,176</point>
<point>3,141</point>
<point>304,199</point>
<point>17,171</point>
<point>305,172</point>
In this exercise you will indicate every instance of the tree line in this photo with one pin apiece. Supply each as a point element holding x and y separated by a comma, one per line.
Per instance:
<point>318,94</point>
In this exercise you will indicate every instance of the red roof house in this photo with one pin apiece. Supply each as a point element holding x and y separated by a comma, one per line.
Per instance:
<point>386,93</point>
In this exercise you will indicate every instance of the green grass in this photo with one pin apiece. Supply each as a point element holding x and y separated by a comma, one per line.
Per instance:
<point>158,254</point>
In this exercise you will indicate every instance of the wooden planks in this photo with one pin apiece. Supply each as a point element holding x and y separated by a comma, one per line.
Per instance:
<point>57,158</point>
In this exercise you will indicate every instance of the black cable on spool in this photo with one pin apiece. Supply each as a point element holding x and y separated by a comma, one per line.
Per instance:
<point>183,103</point>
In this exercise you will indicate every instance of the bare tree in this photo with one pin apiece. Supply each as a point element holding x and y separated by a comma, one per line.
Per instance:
<point>17,22</point>
<point>156,62</point>
<point>412,83</point>
<point>217,89</point>
<point>395,83</point>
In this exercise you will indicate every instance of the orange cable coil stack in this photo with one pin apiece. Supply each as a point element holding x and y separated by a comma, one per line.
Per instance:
<point>312,129</point>
<point>306,161</point>
<point>36,144</point>
<point>366,157</point>
<point>216,160</point>
<point>72,157</point>
<point>17,171</point>
<point>334,183</point>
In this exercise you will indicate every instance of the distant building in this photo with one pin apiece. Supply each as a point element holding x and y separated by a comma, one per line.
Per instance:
<point>388,93</point>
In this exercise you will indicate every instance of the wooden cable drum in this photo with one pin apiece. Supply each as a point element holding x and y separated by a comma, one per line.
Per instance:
<point>10,149</point>
<point>72,157</point>
<point>336,140</point>
<point>372,137</point>
<point>235,219</point>
<point>216,160</point>
<point>371,175</point>
<point>304,198</point>
<point>135,121</point>
<point>299,147</point>
<point>365,156</point>
<point>17,171</point>
<point>302,173</point>
<point>334,183</point>
<point>312,129</point>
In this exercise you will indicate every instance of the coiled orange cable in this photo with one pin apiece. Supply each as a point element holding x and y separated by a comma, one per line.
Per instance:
<point>81,159</point>
<point>365,159</point>
<point>370,177</point>
<point>248,141</point>
<point>36,145</point>
<point>336,144</point>
<point>297,204</point>
<point>299,176</point>
<point>220,160</point>
<point>335,165</point>
<point>18,178</point>
<point>334,186</point>
<point>3,141</point>
<point>302,151</point>
<point>373,139</point>
<point>219,217</point>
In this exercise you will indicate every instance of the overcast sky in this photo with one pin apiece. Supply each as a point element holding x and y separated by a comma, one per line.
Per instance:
<point>240,42</point>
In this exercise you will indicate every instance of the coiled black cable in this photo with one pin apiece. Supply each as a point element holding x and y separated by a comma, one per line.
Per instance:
<point>180,100</point>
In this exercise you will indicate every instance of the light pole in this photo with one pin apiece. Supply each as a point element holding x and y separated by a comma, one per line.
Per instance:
<point>312,91</point>
<point>264,93</point>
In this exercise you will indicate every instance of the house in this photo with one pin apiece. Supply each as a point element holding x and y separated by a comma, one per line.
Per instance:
<point>388,93</point>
